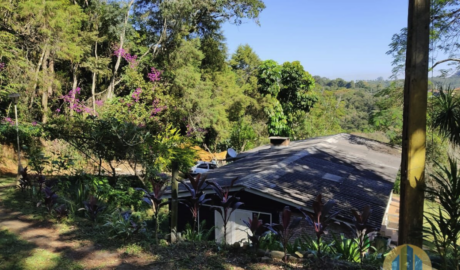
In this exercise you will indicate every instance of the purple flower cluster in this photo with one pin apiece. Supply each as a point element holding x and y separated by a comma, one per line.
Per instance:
<point>8,120</point>
<point>131,59</point>
<point>136,95</point>
<point>156,108</point>
<point>2,66</point>
<point>155,75</point>
<point>99,103</point>
<point>74,103</point>
<point>34,123</point>
<point>191,131</point>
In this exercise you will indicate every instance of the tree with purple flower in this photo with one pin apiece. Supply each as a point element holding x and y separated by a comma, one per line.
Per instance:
<point>154,75</point>
<point>75,104</point>
<point>8,120</point>
<point>136,94</point>
<point>131,59</point>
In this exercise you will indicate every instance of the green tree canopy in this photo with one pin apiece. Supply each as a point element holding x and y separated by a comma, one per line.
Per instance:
<point>288,89</point>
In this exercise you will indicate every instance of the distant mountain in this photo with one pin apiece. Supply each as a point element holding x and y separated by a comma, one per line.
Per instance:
<point>450,82</point>
<point>456,75</point>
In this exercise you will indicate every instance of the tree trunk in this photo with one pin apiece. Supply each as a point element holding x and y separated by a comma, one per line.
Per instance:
<point>175,201</point>
<point>93,86</point>
<point>157,225</point>
<point>37,70</point>
<point>114,172</point>
<point>100,166</point>
<point>74,86</point>
<point>111,89</point>
<point>414,125</point>
<point>45,95</point>
<point>243,146</point>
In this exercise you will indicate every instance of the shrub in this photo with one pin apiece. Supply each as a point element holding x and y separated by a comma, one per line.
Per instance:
<point>362,231</point>
<point>257,229</point>
<point>122,224</point>
<point>320,219</point>
<point>154,200</point>
<point>61,211</point>
<point>28,134</point>
<point>197,197</point>
<point>285,229</point>
<point>307,243</point>
<point>93,208</point>
<point>444,227</point>
<point>269,241</point>
<point>49,199</point>
<point>198,235</point>
<point>347,249</point>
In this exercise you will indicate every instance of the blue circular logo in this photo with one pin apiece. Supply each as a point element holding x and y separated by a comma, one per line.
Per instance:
<point>407,257</point>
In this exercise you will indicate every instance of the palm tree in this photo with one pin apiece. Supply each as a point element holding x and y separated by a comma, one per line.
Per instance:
<point>446,115</point>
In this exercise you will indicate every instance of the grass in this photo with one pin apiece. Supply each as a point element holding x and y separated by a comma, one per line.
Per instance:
<point>431,209</point>
<point>13,251</point>
<point>133,250</point>
<point>17,254</point>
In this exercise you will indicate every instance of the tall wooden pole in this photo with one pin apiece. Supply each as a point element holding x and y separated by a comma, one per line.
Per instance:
<point>18,177</point>
<point>414,127</point>
<point>175,201</point>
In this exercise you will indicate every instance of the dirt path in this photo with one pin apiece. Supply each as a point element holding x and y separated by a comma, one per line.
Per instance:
<point>53,247</point>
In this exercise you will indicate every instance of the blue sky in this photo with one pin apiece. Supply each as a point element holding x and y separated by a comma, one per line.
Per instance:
<point>331,38</point>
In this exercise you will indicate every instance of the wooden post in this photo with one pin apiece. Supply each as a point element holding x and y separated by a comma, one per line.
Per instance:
<point>414,127</point>
<point>18,177</point>
<point>174,202</point>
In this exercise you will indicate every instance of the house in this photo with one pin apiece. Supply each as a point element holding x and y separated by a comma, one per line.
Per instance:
<point>352,170</point>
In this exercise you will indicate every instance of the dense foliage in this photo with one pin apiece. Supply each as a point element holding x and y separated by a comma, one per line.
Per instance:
<point>126,72</point>
<point>444,33</point>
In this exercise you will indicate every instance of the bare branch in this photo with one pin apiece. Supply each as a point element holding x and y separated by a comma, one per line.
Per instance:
<point>111,88</point>
<point>445,15</point>
<point>163,34</point>
<point>445,60</point>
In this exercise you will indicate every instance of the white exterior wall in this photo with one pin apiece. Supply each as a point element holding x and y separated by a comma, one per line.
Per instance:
<point>237,231</point>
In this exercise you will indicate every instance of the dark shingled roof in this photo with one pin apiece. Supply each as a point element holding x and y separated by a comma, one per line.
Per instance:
<point>352,170</point>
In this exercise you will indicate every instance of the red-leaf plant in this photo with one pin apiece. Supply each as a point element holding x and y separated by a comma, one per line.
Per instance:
<point>257,229</point>
<point>362,231</point>
<point>321,218</point>
<point>285,229</point>
<point>225,203</point>
<point>40,181</point>
<point>197,196</point>
<point>25,181</point>
<point>49,198</point>
<point>93,208</point>
<point>127,215</point>
<point>154,200</point>
<point>61,211</point>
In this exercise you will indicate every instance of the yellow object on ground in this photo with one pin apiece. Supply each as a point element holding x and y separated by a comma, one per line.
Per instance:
<point>206,156</point>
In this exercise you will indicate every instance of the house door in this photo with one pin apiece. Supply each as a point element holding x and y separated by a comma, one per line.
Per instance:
<point>237,231</point>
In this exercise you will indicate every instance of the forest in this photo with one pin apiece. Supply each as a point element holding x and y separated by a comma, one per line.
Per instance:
<point>137,84</point>
<point>167,65</point>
